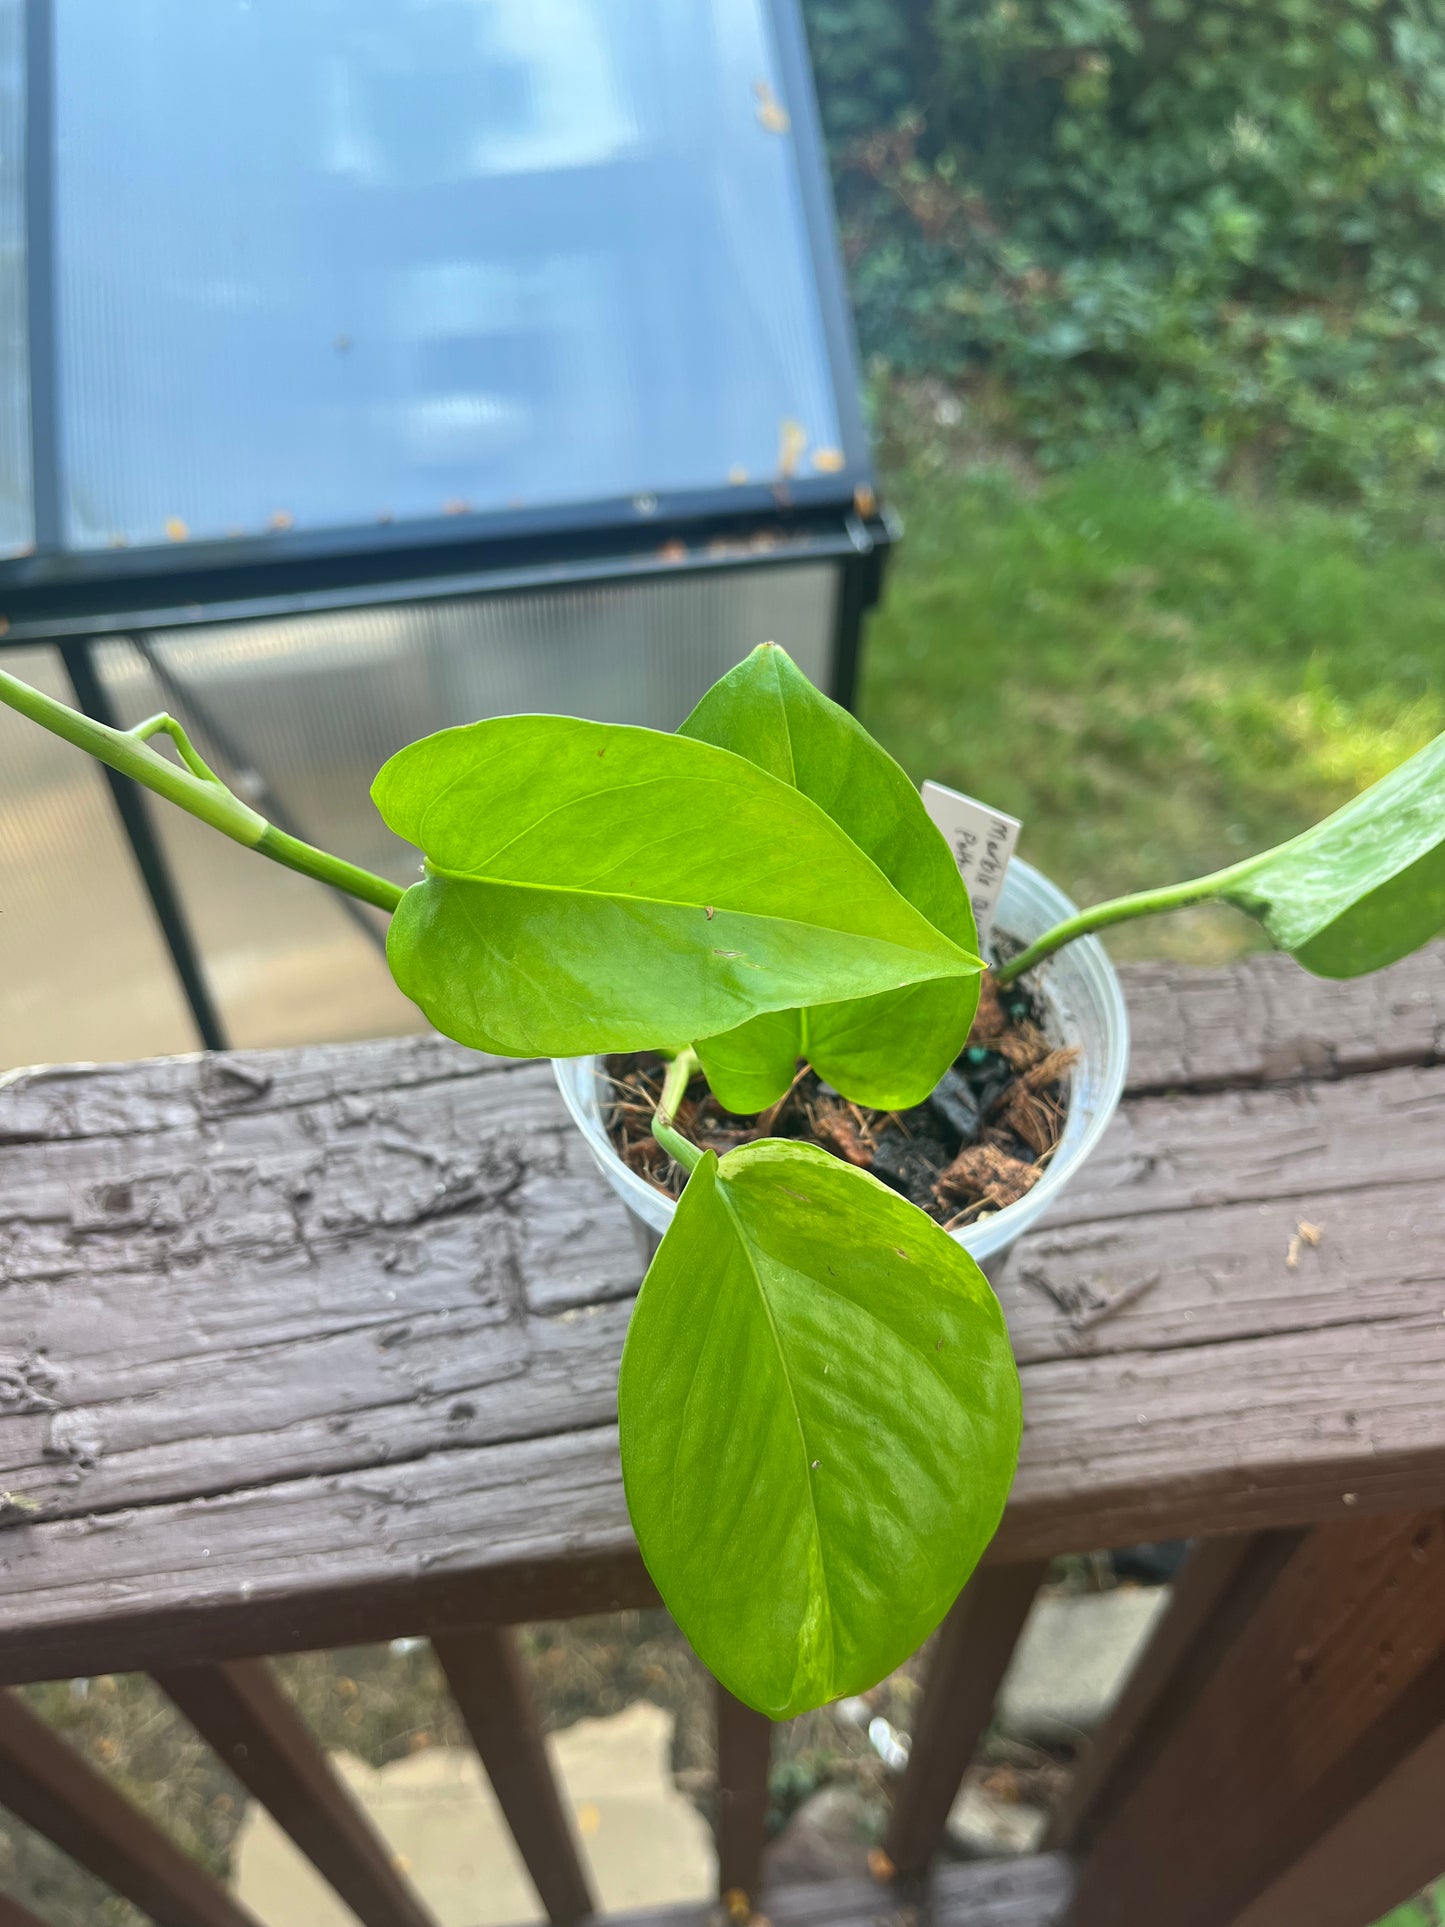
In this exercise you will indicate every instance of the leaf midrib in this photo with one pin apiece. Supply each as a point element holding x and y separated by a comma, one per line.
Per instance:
<point>970,965</point>
<point>802,1012</point>
<point>746,1247</point>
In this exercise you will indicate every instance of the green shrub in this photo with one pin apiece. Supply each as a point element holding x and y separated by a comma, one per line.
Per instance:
<point>1213,227</point>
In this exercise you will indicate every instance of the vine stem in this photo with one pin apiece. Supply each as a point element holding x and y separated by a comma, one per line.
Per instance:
<point>1144,903</point>
<point>194,788</point>
<point>680,1073</point>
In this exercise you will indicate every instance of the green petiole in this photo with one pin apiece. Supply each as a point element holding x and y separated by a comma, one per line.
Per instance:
<point>680,1073</point>
<point>1143,903</point>
<point>194,788</point>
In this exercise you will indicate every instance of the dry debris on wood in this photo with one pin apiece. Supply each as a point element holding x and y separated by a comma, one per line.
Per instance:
<point>1304,1234</point>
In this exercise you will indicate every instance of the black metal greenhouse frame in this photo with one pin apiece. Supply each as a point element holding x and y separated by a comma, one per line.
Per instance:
<point>74,602</point>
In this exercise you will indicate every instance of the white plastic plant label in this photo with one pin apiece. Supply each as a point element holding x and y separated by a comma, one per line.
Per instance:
<point>982,841</point>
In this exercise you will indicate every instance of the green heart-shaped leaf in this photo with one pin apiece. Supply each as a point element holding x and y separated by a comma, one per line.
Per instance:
<point>1366,886</point>
<point>594,888</point>
<point>820,1423</point>
<point>890,1049</point>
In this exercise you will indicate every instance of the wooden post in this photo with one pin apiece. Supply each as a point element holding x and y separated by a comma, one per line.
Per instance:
<point>1385,1849</point>
<point>1336,1687</point>
<point>46,1784</point>
<point>1213,1599</point>
<point>490,1686</point>
<point>744,1750</point>
<point>12,1914</point>
<point>974,1648</point>
<point>243,1713</point>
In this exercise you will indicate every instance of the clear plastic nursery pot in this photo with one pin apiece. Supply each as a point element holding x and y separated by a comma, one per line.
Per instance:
<point>1083,1005</point>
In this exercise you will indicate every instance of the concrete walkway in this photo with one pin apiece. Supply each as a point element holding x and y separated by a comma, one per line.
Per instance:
<point>646,1843</point>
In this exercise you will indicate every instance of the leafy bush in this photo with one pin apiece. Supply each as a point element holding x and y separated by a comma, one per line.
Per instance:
<point>1215,227</point>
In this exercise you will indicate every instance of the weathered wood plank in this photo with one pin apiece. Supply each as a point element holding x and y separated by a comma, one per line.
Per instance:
<point>1170,1281</point>
<point>1265,1021</point>
<point>267,1296</point>
<point>55,1103</point>
<point>1229,1435</point>
<point>1272,1145</point>
<point>275,1298</point>
<point>533,1529</point>
<point>335,1333</point>
<point>1233,1438</point>
<point>1020,1893</point>
<point>1351,1396</point>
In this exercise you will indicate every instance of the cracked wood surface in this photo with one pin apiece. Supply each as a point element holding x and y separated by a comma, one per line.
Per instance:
<point>302,1346</point>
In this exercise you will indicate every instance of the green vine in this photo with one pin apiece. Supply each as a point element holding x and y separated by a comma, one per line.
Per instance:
<point>194,787</point>
<point>680,1073</point>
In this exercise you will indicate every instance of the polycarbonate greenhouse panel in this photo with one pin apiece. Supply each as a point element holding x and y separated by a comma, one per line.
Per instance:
<point>334,263</point>
<point>300,714</point>
<point>83,971</point>
<point>17,531</point>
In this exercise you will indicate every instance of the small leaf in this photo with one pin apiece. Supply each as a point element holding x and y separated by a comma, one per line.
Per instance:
<point>820,1422</point>
<point>1366,886</point>
<point>594,888</point>
<point>886,1050</point>
<point>750,1067</point>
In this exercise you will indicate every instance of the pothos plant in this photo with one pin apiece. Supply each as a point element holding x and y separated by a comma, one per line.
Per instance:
<point>818,1404</point>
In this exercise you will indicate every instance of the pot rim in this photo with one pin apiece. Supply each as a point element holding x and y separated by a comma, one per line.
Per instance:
<point>1083,967</point>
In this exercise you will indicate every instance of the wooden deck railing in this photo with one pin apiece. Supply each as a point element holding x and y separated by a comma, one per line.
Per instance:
<point>314,1347</point>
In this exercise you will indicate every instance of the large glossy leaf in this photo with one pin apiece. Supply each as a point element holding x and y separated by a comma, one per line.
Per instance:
<point>887,1050</point>
<point>820,1422</point>
<point>1366,886</point>
<point>595,888</point>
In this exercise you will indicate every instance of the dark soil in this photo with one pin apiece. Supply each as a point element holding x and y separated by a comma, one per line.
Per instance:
<point>981,1141</point>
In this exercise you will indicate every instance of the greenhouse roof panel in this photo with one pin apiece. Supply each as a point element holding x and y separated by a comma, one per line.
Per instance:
<point>330,265</point>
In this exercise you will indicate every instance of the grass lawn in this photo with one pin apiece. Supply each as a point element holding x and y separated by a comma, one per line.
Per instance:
<point>1427,1911</point>
<point>1156,683</point>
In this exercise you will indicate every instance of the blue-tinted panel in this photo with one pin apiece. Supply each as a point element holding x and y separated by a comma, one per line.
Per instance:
<point>324,261</point>
<point>16,530</point>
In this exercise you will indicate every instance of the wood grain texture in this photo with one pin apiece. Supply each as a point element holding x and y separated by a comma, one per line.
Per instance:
<point>1383,1851</point>
<point>294,1287</point>
<point>318,1345</point>
<point>1266,1021</point>
<point>1211,1602</point>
